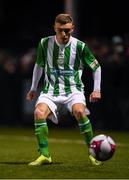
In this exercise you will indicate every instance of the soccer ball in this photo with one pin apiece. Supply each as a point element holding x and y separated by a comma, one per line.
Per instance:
<point>102,147</point>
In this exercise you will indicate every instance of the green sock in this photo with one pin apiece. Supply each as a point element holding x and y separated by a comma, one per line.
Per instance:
<point>41,132</point>
<point>86,129</point>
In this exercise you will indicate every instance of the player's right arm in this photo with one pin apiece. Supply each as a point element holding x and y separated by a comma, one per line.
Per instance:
<point>37,73</point>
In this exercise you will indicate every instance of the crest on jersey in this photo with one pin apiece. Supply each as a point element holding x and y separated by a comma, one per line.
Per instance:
<point>60,61</point>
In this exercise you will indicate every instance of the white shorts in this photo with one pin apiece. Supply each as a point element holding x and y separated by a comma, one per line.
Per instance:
<point>54,102</point>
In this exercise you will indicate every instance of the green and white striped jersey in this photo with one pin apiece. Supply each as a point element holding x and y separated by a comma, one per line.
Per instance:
<point>63,64</point>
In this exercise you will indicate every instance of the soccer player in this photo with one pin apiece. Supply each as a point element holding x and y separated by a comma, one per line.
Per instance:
<point>62,58</point>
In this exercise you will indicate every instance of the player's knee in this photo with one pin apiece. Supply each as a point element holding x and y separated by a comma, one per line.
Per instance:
<point>39,114</point>
<point>78,113</point>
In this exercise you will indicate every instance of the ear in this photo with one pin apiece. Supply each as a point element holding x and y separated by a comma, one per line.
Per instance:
<point>54,28</point>
<point>73,28</point>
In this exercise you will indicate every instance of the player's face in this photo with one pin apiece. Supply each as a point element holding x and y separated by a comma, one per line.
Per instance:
<point>63,32</point>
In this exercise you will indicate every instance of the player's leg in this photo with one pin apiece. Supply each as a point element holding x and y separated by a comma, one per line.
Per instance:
<point>85,126</point>
<point>76,104</point>
<point>84,123</point>
<point>41,113</point>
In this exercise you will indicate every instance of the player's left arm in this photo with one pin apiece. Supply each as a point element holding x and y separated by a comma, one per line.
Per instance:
<point>96,94</point>
<point>89,59</point>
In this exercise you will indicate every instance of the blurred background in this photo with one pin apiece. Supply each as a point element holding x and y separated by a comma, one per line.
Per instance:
<point>103,25</point>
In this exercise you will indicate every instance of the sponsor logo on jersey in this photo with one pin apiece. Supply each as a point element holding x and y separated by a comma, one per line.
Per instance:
<point>61,72</point>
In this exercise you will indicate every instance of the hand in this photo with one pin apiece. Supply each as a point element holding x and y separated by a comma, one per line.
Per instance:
<point>30,95</point>
<point>95,96</point>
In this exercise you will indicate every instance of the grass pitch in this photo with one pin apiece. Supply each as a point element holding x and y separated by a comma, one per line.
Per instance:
<point>18,147</point>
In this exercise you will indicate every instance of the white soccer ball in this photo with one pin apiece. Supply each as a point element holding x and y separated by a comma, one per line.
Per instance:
<point>102,147</point>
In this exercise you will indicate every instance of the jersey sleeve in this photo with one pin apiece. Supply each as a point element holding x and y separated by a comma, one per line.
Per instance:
<point>40,58</point>
<point>89,59</point>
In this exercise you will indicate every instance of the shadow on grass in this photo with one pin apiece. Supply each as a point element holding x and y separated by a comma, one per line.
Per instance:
<point>14,163</point>
<point>20,163</point>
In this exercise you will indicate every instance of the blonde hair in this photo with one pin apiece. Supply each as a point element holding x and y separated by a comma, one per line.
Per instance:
<point>63,19</point>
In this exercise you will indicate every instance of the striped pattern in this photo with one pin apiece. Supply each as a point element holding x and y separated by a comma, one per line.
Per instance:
<point>63,65</point>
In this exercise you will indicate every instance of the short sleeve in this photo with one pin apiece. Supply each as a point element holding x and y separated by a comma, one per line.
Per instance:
<point>40,58</point>
<point>89,59</point>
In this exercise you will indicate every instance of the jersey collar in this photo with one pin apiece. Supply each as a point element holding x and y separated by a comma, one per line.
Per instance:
<point>62,44</point>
